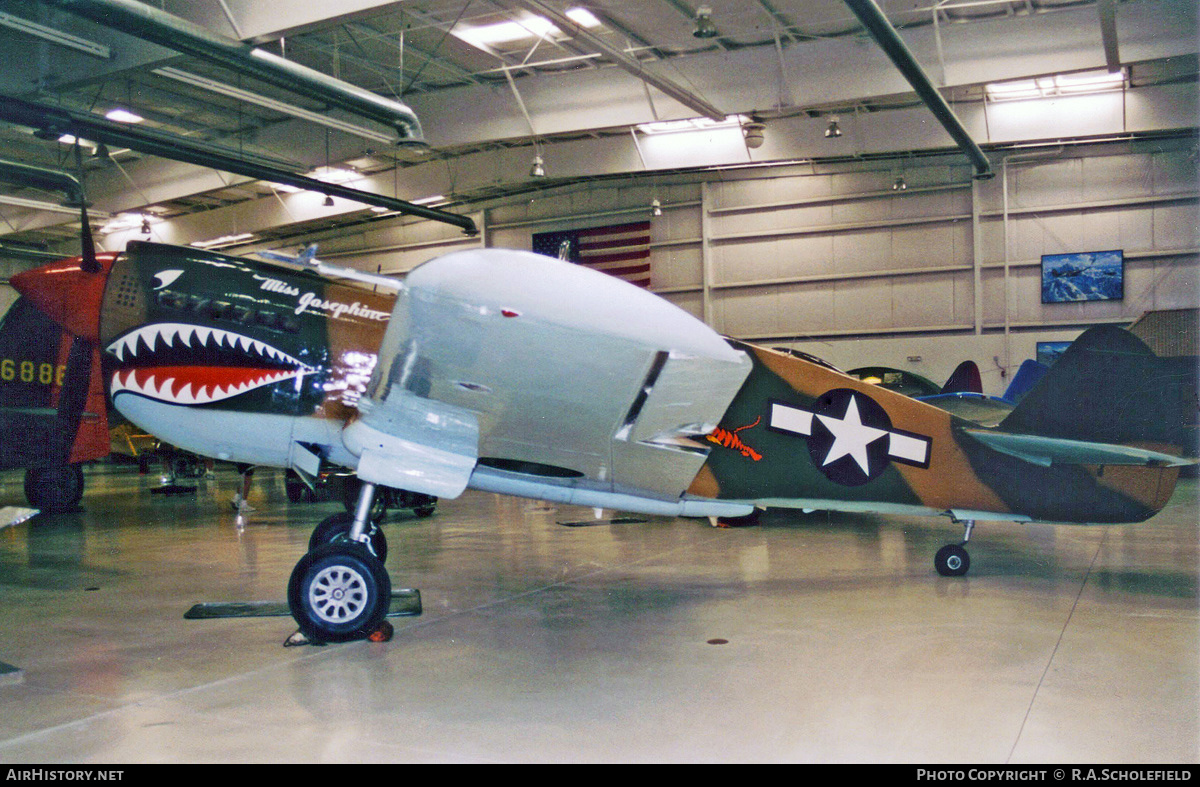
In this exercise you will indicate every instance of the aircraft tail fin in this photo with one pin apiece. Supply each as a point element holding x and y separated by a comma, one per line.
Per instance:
<point>1026,377</point>
<point>964,379</point>
<point>1108,387</point>
<point>1108,390</point>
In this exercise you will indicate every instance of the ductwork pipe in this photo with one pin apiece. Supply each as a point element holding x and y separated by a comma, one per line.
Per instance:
<point>150,24</point>
<point>894,47</point>
<point>54,121</point>
<point>44,179</point>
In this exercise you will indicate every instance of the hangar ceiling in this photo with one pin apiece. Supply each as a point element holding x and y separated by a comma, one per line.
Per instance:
<point>494,85</point>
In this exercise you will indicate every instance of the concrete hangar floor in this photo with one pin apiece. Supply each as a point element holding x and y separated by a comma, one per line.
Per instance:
<point>811,638</point>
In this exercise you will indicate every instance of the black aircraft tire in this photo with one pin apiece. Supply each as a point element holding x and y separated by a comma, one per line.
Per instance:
<point>336,529</point>
<point>339,592</point>
<point>952,561</point>
<point>54,489</point>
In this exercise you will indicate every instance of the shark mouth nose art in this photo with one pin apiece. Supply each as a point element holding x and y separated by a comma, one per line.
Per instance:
<point>192,364</point>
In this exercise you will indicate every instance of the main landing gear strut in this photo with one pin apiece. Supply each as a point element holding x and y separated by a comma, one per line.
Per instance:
<point>339,591</point>
<point>952,560</point>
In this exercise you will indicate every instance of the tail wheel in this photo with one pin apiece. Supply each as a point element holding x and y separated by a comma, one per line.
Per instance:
<point>54,489</point>
<point>335,529</point>
<point>952,561</point>
<point>339,592</point>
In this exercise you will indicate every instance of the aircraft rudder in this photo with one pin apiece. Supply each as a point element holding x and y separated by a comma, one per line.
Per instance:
<point>1110,388</point>
<point>964,379</point>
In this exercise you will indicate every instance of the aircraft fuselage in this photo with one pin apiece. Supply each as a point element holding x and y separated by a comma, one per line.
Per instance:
<point>234,359</point>
<point>498,380</point>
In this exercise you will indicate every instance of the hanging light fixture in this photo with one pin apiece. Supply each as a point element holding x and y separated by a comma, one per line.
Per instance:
<point>656,208</point>
<point>538,170</point>
<point>145,226</point>
<point>834,129</point>
<point>899,185</point>
<point>754,132</point>
<point>704,24</point>
<point>328,201</point>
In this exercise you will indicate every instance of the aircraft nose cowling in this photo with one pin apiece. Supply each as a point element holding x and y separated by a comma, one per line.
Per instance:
<point>67,294</point>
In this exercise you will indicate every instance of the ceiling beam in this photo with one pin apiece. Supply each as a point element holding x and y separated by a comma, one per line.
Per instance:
<point>893,46</point>
<point>622,60</point>
<point>1108,33</point>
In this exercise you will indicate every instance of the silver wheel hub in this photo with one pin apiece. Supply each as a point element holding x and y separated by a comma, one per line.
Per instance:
<point>337,594</point>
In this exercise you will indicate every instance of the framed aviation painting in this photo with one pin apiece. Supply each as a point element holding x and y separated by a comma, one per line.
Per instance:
<point>1049,352</point>
<point>1083,276</point>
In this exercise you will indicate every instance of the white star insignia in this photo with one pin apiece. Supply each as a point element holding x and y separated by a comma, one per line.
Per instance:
<point>850,436</point>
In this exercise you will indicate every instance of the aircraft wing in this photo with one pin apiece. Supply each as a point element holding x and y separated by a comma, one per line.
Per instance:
<point>515,372</point>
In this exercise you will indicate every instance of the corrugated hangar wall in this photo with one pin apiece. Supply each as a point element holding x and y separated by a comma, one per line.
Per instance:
<point>817,256</point>
<point>831,259</point>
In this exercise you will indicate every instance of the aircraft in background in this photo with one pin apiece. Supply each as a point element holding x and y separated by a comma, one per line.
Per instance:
<point>962,394</point>
<point>964,379</point>
<point>53,414</point>
<point>510,372</point>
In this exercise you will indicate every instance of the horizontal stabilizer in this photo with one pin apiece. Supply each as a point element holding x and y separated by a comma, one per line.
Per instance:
<point>1047,451</point>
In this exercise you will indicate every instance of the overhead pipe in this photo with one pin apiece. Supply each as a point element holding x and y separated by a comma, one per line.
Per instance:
<point>11,250</point>
<point>889,40</point>
<point>54,121</point>
<point>44,179</point>
<point>151,24</point>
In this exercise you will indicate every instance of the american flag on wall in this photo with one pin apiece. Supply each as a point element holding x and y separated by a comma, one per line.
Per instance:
<point>622,250</point>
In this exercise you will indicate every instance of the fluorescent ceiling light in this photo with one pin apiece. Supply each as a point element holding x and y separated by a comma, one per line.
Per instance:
<point>129,221</point>
<point>69,139</point>
<point>583,17</point>
<point>1090,81</point>
<point>55,36</point>
<point>429,200</point>
<point>123,116</point>
<point>249,97</point>
<point>525,26</point>
<point>1059,85</point>
<point>333,175</point>
<point>691,124</point>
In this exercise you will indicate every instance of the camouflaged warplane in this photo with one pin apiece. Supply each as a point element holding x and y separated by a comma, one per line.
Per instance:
<point>510,372</point>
